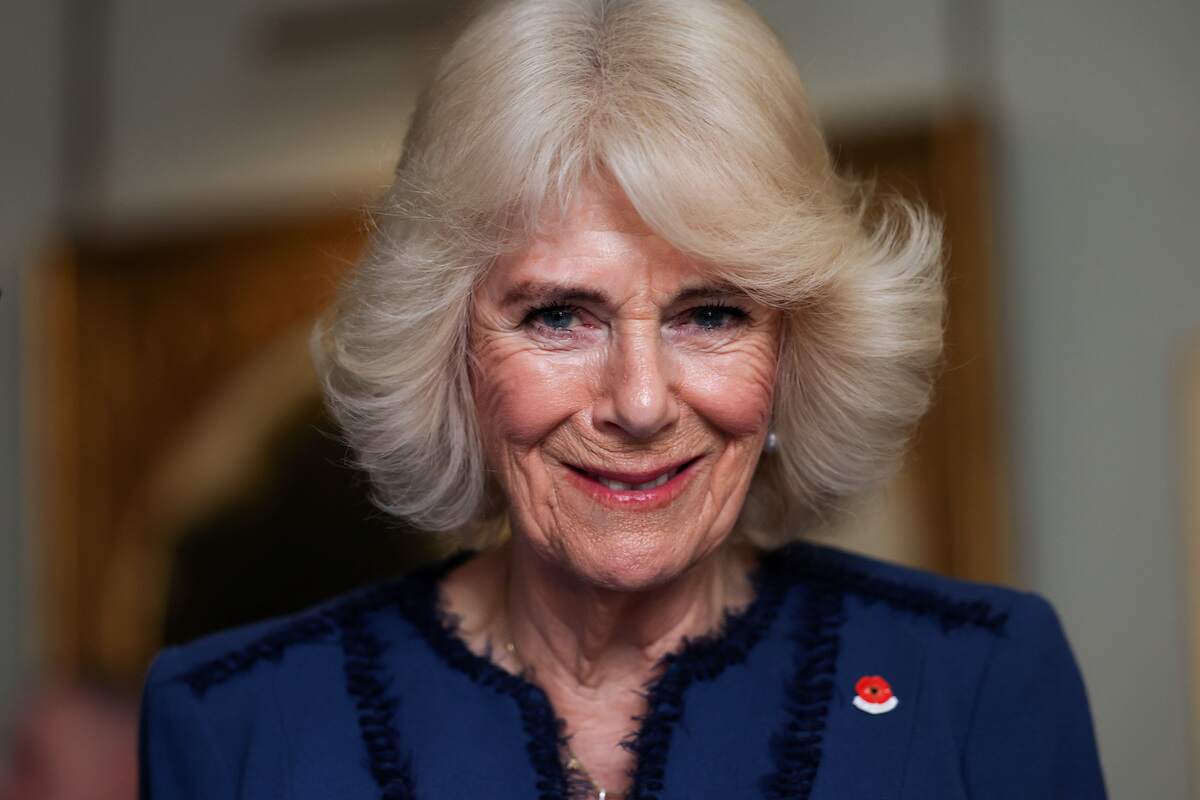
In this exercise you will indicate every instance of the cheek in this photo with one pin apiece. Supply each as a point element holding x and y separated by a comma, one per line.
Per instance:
<point>522,397</point>
<point>733,391</point>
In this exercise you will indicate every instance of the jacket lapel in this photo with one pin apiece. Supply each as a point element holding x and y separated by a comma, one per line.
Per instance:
<point>872,711</point>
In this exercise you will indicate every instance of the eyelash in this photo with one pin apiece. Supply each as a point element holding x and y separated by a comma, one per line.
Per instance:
<point>736,314</point>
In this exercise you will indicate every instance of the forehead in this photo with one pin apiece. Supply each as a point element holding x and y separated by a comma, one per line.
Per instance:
<point>602,207</point>
<point>600,238</point>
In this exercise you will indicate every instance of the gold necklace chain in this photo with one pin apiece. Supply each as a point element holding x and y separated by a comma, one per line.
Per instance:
<point>573,761</point>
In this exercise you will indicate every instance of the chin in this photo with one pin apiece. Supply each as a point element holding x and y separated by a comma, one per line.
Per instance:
<point>632,566</point>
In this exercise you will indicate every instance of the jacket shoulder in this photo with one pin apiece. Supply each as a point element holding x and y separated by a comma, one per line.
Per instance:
<point>218,713</point>
<point>947,603</point>
<point>251,652</point>
<point>993,663</point>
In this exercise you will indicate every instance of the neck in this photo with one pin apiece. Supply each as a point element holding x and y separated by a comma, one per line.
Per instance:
<point>591,649</point>
<point>579,636</point>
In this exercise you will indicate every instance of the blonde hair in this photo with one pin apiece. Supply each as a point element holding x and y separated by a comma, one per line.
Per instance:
<point>694,109</point>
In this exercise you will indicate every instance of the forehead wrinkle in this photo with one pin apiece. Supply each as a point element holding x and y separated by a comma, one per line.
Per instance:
<point>604,208</point>
<point>569,265</point>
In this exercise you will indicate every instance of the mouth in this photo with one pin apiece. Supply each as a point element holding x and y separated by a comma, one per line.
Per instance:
<point>635,481</point>
<point>643,489</point>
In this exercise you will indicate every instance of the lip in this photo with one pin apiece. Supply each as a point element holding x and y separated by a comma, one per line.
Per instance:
<point>634,499</point>
<point>645,476</point>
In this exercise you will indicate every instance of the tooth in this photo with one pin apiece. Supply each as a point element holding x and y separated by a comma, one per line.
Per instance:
<point>621,486</point>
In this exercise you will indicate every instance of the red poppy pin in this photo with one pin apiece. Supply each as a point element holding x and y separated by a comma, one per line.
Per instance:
<point>874,695</point>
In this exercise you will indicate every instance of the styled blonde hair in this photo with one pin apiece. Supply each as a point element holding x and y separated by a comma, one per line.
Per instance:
<point>694,109</point>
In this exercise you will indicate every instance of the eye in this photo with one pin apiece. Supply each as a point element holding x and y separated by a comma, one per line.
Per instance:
<point>552,318</point>
<point>715,316</point>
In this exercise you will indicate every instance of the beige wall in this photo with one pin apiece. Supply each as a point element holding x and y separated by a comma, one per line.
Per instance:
<point>1100,104</point>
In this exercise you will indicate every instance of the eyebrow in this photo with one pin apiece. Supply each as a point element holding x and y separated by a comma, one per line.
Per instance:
<point>541,293</point>
<point>544,293</point>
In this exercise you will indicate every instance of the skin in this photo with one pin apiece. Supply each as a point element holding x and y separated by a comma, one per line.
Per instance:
<point>587,353</point>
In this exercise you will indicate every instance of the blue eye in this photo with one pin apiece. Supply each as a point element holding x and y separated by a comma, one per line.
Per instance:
<point>556,318</point>
<point>715,317</point>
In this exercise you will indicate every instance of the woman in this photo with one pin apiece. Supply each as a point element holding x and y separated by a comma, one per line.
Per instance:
<point>624,333</point>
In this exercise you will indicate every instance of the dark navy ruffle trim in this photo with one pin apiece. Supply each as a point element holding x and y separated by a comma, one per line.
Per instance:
<point>376,706</point>
<point>345,620</point>
<point>420,605</point>
<point>796,748</point>
<point>816,567</point>
<point>307,628</point>
<point>700,659</point>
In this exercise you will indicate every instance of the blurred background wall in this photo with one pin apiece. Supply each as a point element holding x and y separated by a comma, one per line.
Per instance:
<point>30,82</point>
<point>124,118</point>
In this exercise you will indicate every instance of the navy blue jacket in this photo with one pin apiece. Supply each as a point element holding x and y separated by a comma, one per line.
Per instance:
<point>846,678</point>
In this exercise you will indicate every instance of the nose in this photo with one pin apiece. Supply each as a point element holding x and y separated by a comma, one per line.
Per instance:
<point>638,396</point>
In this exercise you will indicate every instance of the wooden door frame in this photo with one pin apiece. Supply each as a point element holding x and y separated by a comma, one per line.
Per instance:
<point>959,449</point>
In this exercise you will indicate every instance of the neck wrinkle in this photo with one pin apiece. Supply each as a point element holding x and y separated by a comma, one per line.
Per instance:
<point>590,640</point>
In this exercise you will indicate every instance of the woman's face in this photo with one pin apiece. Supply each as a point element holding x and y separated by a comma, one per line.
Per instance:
<point>623,395</point>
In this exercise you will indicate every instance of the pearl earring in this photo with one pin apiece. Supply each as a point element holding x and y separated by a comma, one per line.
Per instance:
<point>771,445</point>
